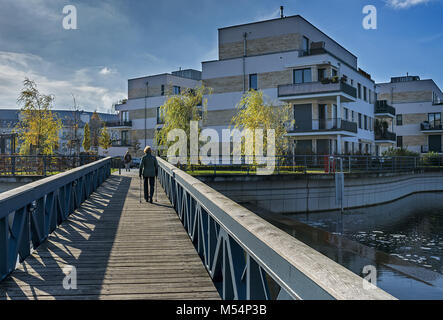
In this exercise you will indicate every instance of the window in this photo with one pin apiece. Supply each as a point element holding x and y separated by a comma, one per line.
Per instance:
<point>334,72</point>
<point>352,114</point>
<point>399,119</point>
<point>302,75</point>
<point>125,138</point>
<point>359,120</point>
<point>124,116</point>
<point>434,119</point>
<point>370,96</point>
<point>160,116</point>
<point>305,45</point>
<point>346,113</point>
<point>352,82</point>
<point>365,93</point>
<point>163,90</point>
<point>359,90</point>
<point>366,122</point>
<point>176,90</point>
<point>253,82</point>
<point>399,142</point>
<point>321,74</point>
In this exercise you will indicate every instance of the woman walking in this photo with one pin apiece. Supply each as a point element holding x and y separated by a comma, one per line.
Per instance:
<point>148,170</point>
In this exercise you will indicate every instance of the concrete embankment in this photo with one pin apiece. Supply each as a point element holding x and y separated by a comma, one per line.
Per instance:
<point>316,192</point>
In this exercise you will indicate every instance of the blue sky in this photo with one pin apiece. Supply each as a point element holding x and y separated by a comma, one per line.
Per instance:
<point>121,39</point>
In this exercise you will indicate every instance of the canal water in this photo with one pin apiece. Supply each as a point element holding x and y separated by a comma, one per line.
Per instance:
<point>6,186</point>
<point>402,239</point>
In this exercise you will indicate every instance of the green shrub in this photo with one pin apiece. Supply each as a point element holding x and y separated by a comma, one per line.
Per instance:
<point>399,152</point>
<point>431,158</point>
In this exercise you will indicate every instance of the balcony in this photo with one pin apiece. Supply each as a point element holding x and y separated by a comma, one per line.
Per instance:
<point>322,127</point>
<point>430,127</point>
<point>115,124</point>
<point>382,108</point>
<point>386,136</point>
<point>317,90</point>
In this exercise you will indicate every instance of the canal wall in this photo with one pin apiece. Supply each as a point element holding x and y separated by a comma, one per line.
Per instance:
<point>316,192</point>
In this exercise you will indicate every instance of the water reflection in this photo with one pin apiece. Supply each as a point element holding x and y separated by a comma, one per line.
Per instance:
<point>403,240</point>
<point>410,228</point>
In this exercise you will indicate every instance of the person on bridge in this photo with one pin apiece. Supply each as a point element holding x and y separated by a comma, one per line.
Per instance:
<point>127,160</point>
<point>149,170</point>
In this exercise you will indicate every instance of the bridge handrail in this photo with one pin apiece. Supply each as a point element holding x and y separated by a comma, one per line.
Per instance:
<point>30,213</point>
<point>300,271</point>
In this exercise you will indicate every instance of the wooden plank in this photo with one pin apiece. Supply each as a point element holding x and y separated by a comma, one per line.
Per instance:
<point>121,249</point>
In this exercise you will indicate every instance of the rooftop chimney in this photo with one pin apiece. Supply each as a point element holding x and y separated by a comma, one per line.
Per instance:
<point>281,12</point>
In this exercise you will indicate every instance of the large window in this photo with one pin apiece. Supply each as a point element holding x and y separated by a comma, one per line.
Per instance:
<point>359,90</point>
<point>253,81</point>
<point>359,121</point>
<point>399,142</point>
<point>176,90</point>
<point>302,75</point>
<point>124,116</point>
<point>305,45</point>
<point>366,122</point>
<point>365,93</point>
<point>321,74</point>
<point>399,119</point>
<point>163,90</point>
<point>125,138</point>
<point>434,119</point>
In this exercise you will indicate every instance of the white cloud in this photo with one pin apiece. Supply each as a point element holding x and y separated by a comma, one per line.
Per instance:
<point>15,67</point>
<point>404,4</point>
<point>105,71</point>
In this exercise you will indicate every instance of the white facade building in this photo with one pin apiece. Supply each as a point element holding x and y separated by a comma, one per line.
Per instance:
<point>418,106</point>
<point>290,60</point>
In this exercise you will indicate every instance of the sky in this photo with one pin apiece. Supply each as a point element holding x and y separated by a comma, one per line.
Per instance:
<point>117,40</point>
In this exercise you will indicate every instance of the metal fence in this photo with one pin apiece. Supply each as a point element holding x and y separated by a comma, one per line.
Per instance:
<point>32,212</point>
<point>13,165</point>
<point>291,164</point>
<point>247,257</point>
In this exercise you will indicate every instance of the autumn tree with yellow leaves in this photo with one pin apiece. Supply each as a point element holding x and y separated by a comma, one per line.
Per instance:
<point>38,128</point>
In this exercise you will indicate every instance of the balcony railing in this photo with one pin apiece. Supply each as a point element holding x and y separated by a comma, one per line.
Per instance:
<point>124,143</point>
<point>113,124</point>
<point>332,124</point>
<point>425,126</point>
<point>298,89</point>
<point>387,135</point>
<point>426,149</point>
<point>381,106</point>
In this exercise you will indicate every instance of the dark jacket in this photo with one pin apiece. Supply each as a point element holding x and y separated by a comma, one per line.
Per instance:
<point>127,158</point>
<point>148,166</point>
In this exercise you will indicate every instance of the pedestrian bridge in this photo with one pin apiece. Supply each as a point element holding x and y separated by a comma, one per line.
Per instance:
<point>84,234</point>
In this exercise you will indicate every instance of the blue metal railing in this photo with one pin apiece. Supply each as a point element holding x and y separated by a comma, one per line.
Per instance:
<point>29,214</point>
<point>247,257</point>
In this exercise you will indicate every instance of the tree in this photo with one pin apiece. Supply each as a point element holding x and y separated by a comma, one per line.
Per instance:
<point>105,139</point>
<point>95,125</point>
<point>87,138</point>
<point>253,113</point>
<point>38,128</point>
<point>178,111</point>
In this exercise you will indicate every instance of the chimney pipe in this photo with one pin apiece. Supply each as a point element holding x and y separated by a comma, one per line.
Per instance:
<point>281,12</point>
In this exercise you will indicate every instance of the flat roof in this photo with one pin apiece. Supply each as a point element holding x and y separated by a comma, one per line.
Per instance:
<point>293,16</point>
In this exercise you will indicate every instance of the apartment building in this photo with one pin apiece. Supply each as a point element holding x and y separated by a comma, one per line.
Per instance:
<point>293,62</point>
<point>145,96</point>
<point>418,107</point>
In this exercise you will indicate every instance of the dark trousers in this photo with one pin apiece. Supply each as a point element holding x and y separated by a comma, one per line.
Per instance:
<point>151,186</point>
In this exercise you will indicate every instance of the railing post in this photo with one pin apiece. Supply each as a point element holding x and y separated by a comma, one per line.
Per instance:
<point>13,165</point>
<point>44,166</point>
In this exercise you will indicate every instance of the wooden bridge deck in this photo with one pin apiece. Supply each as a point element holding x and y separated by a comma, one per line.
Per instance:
<point>121,249</point>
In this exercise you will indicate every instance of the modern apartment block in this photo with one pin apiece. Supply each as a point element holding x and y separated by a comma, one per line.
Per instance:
<point>293,62</point>
<point>145,96</point>
<point>418,106</point>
